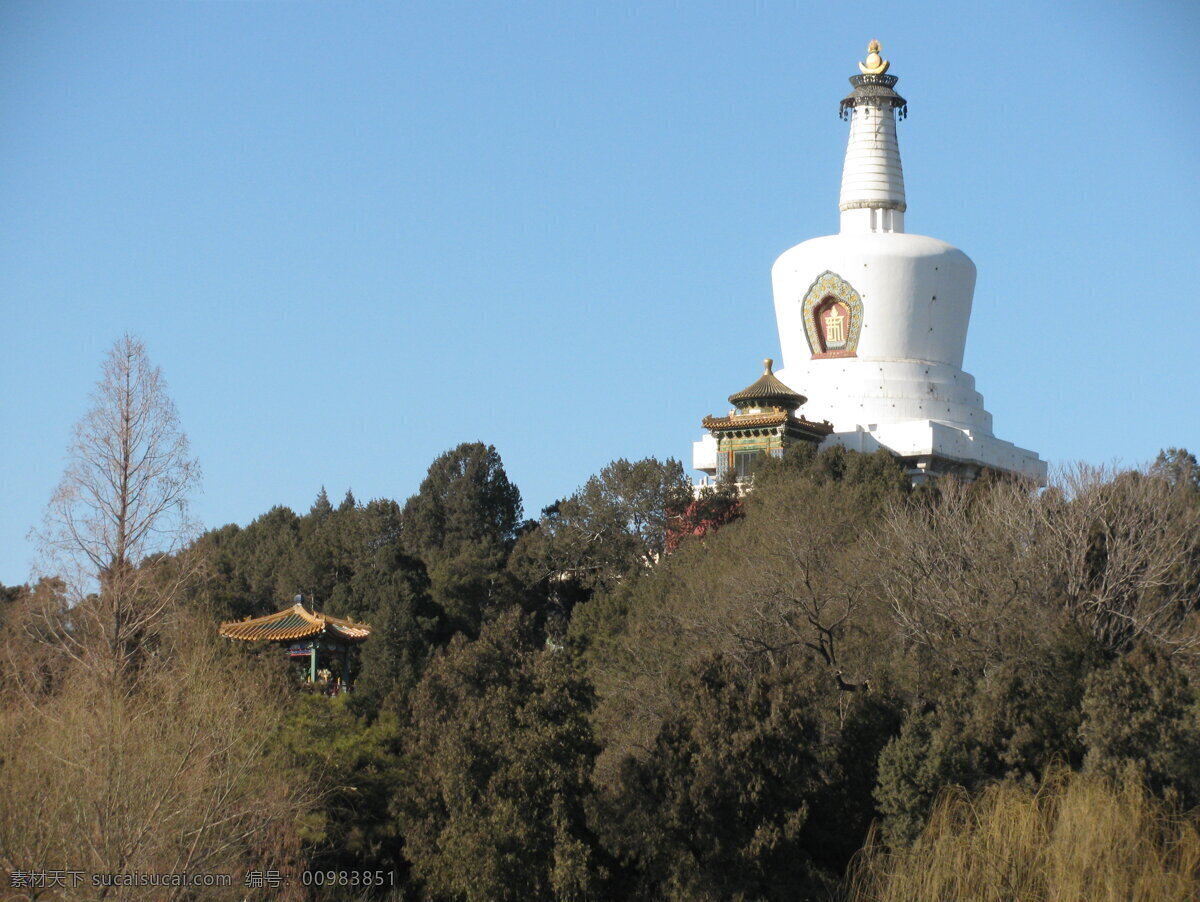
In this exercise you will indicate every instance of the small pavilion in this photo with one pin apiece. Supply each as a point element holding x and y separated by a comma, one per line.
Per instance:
<point>324,642</point>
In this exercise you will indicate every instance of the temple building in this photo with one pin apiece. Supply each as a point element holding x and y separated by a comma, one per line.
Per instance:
<point>873,321</point>
<point>321,644</point>
<point>762,423</point>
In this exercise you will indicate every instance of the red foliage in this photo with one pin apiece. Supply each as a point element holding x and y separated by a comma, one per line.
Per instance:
<point>705,514</point>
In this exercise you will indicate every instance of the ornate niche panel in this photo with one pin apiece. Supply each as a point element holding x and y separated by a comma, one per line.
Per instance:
<point>833,314</point>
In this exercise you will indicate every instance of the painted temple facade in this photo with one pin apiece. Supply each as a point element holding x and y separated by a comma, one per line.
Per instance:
<point>762,423</point>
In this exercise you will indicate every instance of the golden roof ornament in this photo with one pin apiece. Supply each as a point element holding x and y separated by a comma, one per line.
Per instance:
<point>875,64</point>
<point>873,87</point>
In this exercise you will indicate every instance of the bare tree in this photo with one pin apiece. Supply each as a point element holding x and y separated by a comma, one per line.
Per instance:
<point>981,577</point>
<point>1126,547</point>
<point>122,499</point>
<point>131,737</point>
<point>791,583</point>
<point>967,574</point>
<point>182,775</point>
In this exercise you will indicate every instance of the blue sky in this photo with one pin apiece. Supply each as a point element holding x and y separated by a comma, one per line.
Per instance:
<point>355,234</point>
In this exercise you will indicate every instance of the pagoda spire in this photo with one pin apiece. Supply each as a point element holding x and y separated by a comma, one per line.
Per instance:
<point>872,196</point>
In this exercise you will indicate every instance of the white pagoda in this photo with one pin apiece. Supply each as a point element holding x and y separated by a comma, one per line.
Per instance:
<point>873,320</point>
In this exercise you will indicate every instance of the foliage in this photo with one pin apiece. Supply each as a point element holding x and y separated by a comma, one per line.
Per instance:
<point>245,572</point>
<point>740,793</point>
<point>141,742</point>
<point>354,769</point>
<point>406,624</point>
<point>465,499</point>
<point>501,753</point>
<point>8,596</point>
<point>349,561</point>
<point>613,527</point>
<point>33,664</point>
<point>1014,722</point>
<point>1179,468</point>
<point>255,570</point>
<point>1142,714</point>
<point>563,709</point>
<point>713,508</point>
<point>462,523</point>
<point>788,582</point>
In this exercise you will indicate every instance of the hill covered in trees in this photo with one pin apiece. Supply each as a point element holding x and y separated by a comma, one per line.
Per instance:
<point>563,708</point>
<point>833,687</point>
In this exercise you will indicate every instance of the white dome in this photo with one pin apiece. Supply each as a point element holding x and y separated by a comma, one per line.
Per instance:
<point>916,294</point>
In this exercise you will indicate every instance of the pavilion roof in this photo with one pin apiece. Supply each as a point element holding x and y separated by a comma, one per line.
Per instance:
<point>769,391</point>
<point>294,623</point>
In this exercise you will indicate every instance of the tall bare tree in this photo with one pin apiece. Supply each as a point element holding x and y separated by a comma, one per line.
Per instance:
<point>122,499</point>
<point>131,737</point>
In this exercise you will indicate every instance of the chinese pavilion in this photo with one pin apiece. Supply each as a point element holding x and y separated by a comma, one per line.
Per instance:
<point>322,642</point>
<point>762,423</point>
<point>873,320</point>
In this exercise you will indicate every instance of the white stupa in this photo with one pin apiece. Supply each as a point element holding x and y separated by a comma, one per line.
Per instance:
<point>873,321</point>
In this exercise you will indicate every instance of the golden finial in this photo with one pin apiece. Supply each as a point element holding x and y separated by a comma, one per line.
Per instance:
<point>767,364</point>
<point>875,64</point>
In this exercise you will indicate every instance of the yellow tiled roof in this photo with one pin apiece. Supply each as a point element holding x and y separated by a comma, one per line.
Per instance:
<point>293,623</point>
<point>742,421</point>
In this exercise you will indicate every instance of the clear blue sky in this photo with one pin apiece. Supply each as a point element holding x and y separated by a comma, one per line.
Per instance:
<point>354,234</point>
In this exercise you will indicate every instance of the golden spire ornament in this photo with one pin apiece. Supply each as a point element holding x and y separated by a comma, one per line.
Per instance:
<point>875,64</point>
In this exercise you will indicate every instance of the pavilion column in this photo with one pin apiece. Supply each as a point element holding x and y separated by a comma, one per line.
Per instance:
<point>312,662</point>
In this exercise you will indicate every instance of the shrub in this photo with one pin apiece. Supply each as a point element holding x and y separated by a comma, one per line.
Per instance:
<point>1077,837</point>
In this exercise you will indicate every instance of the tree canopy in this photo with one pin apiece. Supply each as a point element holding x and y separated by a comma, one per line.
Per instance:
<point>646,693</point>
<point>462,524</point>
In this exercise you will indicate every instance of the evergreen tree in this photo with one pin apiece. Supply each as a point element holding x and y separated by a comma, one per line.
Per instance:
<point>393,597</point>
<point>462,524</point>
<point>752,789</point>
<point>8,595</point>
<point>356,766</point>
<point>251,571</point>
<point>465,499</point>
<point>1014,722</point>
<point>613,527</point>
<point>321,508</point>
<point>501,755</point>
<point>1179,467</point>
<point>1142,713</point>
